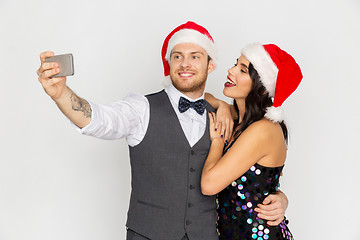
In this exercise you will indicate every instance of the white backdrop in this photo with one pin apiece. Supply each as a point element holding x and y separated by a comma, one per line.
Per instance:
<point>57,184</point>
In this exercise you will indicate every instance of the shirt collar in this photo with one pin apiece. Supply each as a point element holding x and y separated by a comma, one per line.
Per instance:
<point>175,95</point>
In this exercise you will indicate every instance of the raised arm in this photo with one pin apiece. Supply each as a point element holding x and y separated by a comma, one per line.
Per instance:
<point>75,108</point>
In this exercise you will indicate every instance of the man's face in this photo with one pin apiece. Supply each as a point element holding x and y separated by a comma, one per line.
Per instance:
<point>189,67</point>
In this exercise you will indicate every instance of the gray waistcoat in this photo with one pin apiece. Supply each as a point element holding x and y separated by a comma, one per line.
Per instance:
<point>166,200</point>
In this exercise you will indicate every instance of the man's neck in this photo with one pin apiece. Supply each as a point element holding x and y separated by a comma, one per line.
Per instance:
<point>194,95</point>
<point>191,95</point>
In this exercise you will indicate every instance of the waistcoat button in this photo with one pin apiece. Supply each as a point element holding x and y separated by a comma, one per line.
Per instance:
<point>192,187</point>
<point>192,152</point>
<point>188,222</point>
<point>192,169</point>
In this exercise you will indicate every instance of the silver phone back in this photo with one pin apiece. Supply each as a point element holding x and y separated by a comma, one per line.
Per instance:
<point>66,64</point>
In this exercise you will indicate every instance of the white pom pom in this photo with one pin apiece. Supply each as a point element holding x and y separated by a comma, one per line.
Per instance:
<point>275,114</point>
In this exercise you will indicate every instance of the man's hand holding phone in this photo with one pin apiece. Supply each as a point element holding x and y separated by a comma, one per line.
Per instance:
<point>52,76</point>
<point>53,71</point>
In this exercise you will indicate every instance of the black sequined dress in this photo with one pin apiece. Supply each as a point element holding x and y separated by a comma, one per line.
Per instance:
<point>236,203</point>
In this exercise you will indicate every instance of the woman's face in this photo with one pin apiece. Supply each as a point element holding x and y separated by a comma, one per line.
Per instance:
<point>239,83</point>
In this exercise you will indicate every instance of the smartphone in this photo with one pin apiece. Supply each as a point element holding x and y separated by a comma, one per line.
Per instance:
<point>66,64</point>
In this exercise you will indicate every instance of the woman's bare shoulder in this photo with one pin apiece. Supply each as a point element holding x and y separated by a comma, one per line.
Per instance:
<point>265,128</point>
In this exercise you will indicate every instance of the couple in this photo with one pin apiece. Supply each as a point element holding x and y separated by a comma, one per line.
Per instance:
<point>176,142</point>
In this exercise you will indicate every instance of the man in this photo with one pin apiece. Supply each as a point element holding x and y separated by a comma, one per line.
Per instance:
<point>168,138</point>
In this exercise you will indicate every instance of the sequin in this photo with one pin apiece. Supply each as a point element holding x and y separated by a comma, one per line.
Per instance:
<point>236,218</point>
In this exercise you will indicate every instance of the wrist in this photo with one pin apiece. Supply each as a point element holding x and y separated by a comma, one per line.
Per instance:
<point>222,104</point>
<point>62,96</point>
<point>217,142</point>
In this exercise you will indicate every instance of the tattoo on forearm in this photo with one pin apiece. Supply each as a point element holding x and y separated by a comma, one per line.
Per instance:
<point>79,104</point>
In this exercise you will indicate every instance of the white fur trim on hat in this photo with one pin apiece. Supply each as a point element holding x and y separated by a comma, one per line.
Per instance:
<point>263,64</point>
<point>275,114</point>
<point>192,36</point>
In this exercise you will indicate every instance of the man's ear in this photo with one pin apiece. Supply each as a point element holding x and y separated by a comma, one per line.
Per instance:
<point>211,66</point>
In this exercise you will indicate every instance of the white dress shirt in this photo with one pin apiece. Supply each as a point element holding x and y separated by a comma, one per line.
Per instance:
<point>129,118</point>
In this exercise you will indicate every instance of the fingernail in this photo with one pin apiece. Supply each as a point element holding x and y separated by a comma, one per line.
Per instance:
<point>221,136</point>
<point>226,142</point>
<point>215,129</point>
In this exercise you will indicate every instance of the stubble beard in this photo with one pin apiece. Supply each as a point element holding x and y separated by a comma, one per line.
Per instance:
<point>195,87</point>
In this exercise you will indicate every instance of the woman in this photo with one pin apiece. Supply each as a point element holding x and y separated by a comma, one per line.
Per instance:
<point>248,169</point>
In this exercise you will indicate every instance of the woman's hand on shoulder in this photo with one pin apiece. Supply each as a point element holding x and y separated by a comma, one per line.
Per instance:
<point>225,116</point>
<point>215,128</point>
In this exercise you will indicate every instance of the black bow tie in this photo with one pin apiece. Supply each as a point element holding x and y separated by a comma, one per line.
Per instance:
<point>198,106</point>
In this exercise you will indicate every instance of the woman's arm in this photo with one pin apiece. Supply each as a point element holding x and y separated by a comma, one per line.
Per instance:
<point>217,103</point>
<point>253,145</point>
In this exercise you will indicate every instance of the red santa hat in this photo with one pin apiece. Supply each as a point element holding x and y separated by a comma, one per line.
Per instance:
<point>279,73</point>
<point>189,32</point>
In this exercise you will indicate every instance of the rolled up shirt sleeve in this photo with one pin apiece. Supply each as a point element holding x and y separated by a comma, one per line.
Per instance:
<point>127,118</point>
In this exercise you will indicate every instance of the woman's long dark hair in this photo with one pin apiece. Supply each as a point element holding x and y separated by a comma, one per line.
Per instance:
<point>255,105</point>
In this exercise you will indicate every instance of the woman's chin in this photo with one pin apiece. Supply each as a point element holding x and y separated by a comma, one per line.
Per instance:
<point>226,92</point>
